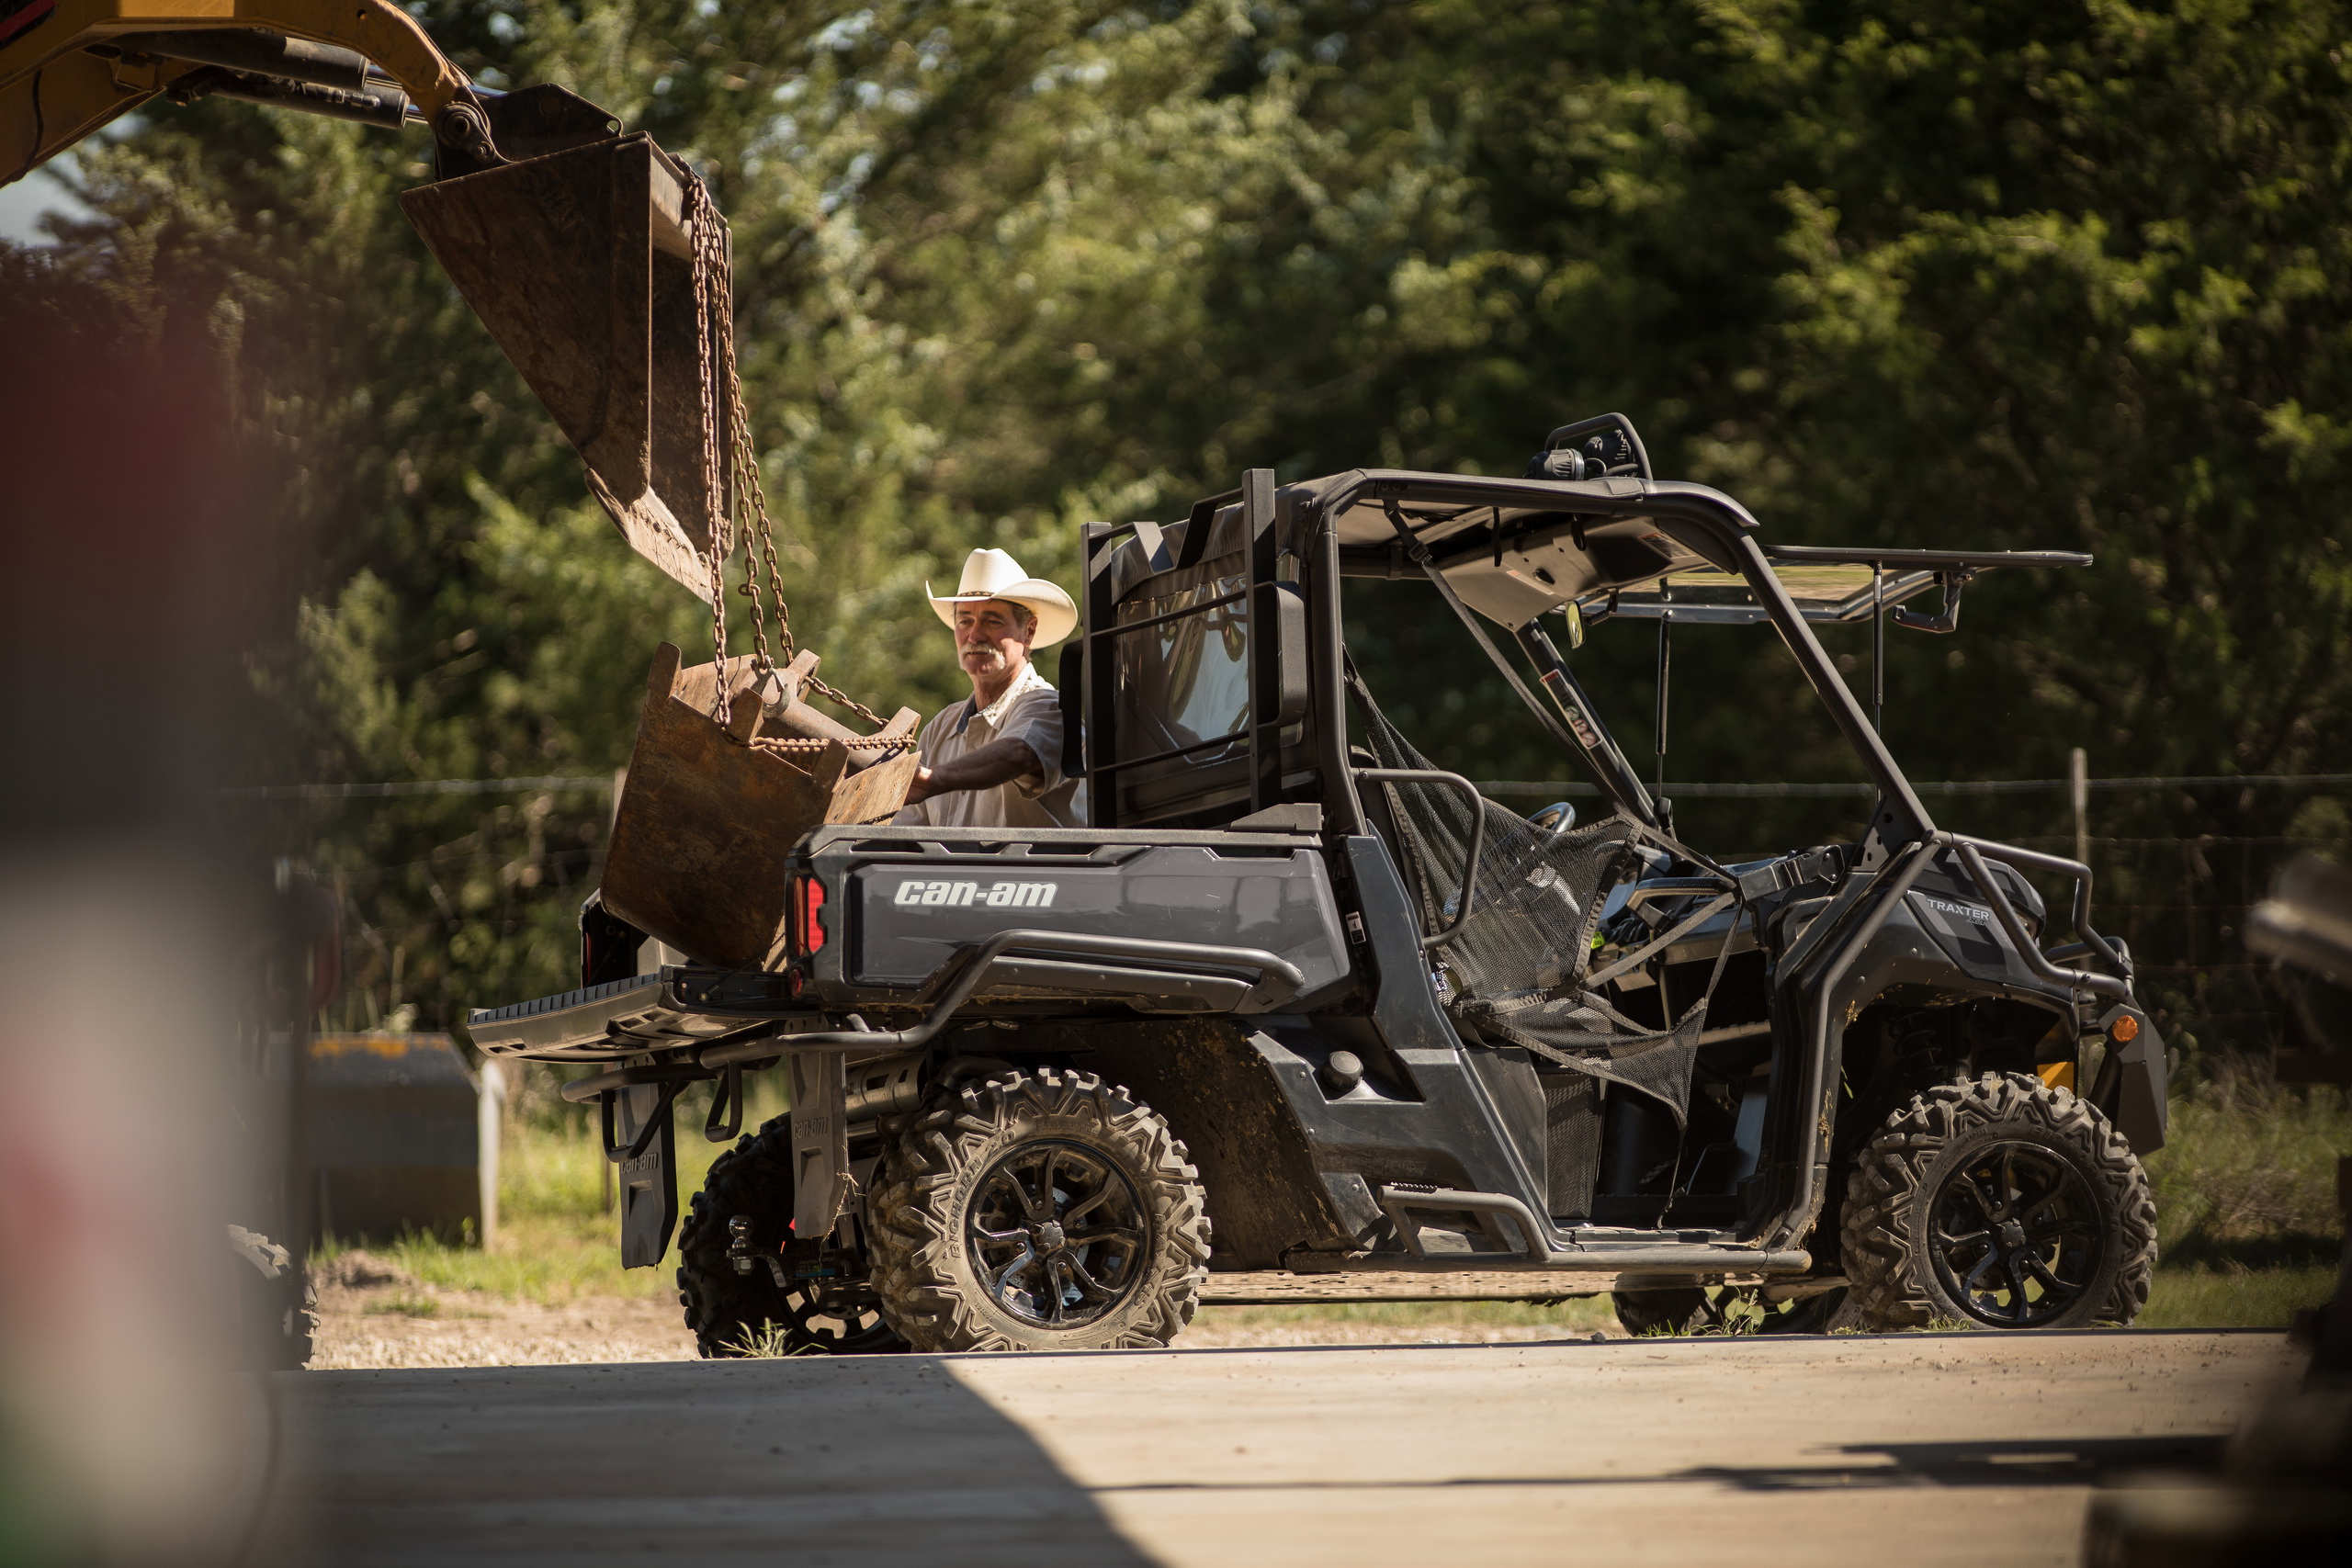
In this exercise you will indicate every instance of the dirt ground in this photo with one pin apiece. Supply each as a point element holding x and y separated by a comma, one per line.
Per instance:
<point>373,1315</point>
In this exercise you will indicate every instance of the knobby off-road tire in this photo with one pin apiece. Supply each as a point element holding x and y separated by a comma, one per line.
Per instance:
<point>2000,1203</point>
<point>1040,1210</point>
<point>727,1311</point>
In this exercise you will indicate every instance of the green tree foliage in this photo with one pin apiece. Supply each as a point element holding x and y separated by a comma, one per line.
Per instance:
<point>1993,275</point>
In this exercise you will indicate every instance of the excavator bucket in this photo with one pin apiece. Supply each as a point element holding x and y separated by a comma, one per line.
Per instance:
<point>701,852</point>
<point>579,262</point>
<point>576,247</point>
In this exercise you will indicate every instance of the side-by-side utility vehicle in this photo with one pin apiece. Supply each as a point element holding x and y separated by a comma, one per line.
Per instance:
<point>1295,999</point>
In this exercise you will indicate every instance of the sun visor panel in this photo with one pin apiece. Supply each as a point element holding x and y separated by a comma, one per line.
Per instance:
<point>1547,567</point>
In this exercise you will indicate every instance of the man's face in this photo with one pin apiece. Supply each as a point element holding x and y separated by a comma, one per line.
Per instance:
<point>992,637</point>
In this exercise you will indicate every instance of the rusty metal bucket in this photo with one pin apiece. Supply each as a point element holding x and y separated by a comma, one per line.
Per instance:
<point>702,844</point>
<point>580,263</point>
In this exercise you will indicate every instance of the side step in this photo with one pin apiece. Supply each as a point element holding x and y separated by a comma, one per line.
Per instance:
<point>1531,1247</point>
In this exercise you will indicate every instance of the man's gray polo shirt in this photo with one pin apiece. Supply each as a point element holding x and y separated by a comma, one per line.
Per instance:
<point>1029,710</point>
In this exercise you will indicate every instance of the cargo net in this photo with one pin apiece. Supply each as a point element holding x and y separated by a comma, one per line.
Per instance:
<point>1519,974</point>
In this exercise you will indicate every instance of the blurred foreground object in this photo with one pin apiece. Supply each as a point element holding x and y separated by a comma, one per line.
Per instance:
<point>604,272</point>
<point>159,967</point>
<point>2306,926</point>
<point>119,1366</point>
<point>576,245</point>
<point>2288,1495</point>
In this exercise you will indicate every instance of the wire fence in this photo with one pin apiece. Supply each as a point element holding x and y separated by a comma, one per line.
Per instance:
<point>2181,901</point>
<point>418,787</point>
<point>2181,904</point>
<point>1780,791</point>
<point>1552,788</point>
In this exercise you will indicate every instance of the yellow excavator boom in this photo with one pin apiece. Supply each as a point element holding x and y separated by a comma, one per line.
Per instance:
<point>575,244</point>
<point>68,67</point>
<point>598,262</point>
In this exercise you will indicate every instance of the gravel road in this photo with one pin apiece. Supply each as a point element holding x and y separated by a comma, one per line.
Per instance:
<point>1924,1449</point>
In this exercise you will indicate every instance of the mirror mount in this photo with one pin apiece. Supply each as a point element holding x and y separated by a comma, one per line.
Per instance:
<point>1952,583</point>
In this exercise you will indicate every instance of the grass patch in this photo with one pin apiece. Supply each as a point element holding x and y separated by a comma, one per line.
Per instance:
<point>2246,1213</point>
<point>2246,1177</point>
<point>555,1242</point>
<point>2220,1298</point>
<point>772,1342</point>
<point>409,1304</point>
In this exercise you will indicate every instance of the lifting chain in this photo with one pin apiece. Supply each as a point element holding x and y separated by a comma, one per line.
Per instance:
<point>732,491</point>
<point>714,332</point>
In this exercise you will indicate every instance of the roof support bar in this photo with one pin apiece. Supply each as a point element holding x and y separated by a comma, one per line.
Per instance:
<point>1709,527</point>
<point>1594,749</point>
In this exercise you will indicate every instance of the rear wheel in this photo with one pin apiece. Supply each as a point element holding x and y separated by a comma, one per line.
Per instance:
<point>1039,1211</point>
<point>1999,1203</point>
<point>734,1313</point>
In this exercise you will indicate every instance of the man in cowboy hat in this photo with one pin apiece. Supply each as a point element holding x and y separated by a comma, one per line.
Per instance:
<point>995,759</point>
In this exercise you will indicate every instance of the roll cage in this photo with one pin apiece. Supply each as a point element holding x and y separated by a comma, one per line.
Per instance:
<point>1504,552</point>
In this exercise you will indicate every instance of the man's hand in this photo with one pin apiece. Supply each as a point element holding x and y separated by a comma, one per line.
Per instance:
<point>999,761</point>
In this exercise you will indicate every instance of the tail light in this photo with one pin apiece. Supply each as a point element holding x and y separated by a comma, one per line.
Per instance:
<point>807,916</point>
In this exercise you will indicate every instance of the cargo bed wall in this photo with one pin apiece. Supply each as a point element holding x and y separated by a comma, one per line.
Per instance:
<point>1265,1197</point>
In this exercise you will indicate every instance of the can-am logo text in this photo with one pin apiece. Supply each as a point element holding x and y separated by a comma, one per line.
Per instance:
<point>1965,912</point>
<point>959,895</point>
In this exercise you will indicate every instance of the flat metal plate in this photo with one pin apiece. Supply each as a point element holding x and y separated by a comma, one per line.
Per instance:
<point>669,1010</point>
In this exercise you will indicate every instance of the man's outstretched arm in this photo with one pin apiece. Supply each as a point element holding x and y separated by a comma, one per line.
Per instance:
<point>998,762</point>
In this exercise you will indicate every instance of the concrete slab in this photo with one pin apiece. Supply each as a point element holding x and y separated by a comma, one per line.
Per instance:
<point>1963,1449</point>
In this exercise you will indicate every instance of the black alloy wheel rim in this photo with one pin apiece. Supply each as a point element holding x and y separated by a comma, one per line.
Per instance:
<point>842,1321</point>
<point>2014,1236</point>
<point>1056,1235</point>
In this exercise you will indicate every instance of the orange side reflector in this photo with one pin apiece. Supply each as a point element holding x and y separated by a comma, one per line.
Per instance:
<point>2126,1030</point>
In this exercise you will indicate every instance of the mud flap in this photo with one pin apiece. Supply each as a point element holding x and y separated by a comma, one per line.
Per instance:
<point>820,1143</point>
<point>640,1138</point>
<point>2134,1101</point>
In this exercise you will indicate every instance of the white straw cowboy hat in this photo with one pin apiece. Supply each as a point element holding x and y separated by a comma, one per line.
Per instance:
<point>992,574</point>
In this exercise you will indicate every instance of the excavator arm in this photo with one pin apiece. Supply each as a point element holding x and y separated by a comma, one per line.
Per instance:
<point>575,244</point>
<point>69,67</point>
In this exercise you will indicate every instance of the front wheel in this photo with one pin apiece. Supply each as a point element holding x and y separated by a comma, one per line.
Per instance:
<point>1999,1203</point>
<point>1039,1211</point>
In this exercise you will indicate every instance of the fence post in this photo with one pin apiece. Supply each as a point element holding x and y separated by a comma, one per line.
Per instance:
<point>2078,776</point>
<point>490,1092</point>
